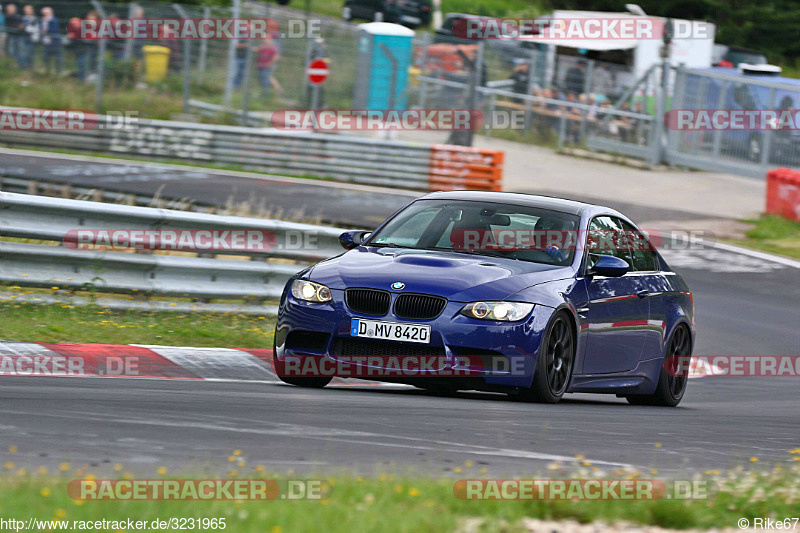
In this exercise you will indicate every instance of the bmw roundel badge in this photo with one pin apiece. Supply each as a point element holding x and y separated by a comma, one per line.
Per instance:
<point>398,285</point>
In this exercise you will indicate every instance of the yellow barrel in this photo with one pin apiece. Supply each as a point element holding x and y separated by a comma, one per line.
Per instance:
<point>156,59</point>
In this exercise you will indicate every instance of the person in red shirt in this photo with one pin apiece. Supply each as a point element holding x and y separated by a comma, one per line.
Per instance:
<point>267,56</point>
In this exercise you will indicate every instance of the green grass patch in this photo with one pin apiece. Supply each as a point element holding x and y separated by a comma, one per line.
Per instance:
<point>23,321</point>
<point>774,234</point>
<point>356,504</point>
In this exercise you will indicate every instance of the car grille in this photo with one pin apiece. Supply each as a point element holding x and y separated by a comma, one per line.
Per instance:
<point>368,301</point>
<point>402,355</point>
<point>419,306</point>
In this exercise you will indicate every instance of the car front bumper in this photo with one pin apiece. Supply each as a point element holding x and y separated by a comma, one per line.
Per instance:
<point>315,339</point>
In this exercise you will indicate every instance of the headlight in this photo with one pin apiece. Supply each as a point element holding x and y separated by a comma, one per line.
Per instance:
<point>505,311</point>
<point>310,291</point>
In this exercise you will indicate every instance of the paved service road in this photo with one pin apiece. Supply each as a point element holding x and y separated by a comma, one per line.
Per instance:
<point>303,200</point>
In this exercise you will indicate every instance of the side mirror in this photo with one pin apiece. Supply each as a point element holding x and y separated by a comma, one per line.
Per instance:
<point>610,266</point>
<point>351,239</point>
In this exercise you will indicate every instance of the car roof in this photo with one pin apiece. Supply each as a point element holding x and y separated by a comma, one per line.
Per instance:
<point>530,200</point>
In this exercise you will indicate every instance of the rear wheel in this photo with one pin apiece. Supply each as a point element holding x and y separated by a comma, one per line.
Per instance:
<point>554,364</point>
<point>673,378</point>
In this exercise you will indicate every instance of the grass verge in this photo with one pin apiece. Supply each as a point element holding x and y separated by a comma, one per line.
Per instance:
<point>355,504</point>
<point>23,321</point>
<point>773,234</point>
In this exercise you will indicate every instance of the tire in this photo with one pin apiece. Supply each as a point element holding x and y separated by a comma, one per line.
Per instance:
<point>297,381</point>
<point>308,383</point>
<point>554,363</point>
<point>671,388</point>
<point>347,14</point>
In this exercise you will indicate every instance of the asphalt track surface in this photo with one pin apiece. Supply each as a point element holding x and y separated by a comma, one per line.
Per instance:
<point>745,306</point>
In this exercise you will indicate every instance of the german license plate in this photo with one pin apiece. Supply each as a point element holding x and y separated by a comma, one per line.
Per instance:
<point>392,331</point>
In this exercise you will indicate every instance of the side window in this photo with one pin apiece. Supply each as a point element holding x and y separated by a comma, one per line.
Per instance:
<point>644,258</point>
<point>605,237</point>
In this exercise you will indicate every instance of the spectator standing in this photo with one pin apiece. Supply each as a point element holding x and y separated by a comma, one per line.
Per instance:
<point>138,44</point>
<point>575,80</point>
<point>2,32</point>
<point>241,62</point>
<point>51,41</point>
<point>13,31</point>
<point>84,45</point>
<point>268,55</point>
<point>30,36</point>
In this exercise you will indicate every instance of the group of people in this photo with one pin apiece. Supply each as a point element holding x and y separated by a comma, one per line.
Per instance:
<point>22,33</point>
<point>25,35</point>
<point>563,99</point>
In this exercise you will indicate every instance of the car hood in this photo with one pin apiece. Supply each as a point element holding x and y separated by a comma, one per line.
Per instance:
<point>457,277</point>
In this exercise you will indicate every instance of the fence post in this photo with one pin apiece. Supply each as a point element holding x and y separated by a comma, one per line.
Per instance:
<point>587,88</point>
<point>101,62</point>
<point>723,93</point>
<point>661,108</point>
<point>678,102</point>
<point>129,42</point>
<point>248,62</point>
<point>231,58</point>
<point>766,146</point>
<point>423,83</point>
<point>201,66</point>
<point>187,61</point>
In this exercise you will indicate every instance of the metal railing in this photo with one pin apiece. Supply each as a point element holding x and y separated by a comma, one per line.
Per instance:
<point>326,155</point>
<point>201,277</point>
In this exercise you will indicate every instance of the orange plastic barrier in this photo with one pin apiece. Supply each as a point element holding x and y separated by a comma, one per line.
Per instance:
<point>783,193</point>
<point>458,168</point>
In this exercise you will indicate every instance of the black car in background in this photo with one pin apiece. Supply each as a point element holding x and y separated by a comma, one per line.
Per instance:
<point>411,13</point>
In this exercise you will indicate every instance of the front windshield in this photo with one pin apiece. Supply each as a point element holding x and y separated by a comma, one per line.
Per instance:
<point>483,228</point>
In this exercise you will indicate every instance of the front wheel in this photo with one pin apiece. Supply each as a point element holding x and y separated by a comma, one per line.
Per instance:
<point>673,378</point>
<point>554,363</point>
<point>308,383</point>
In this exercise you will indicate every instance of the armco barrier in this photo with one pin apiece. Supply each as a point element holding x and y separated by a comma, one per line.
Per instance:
<point>783,193</point>
<point>461,167</point>
<point>50,219</point>
<point>342,157</point>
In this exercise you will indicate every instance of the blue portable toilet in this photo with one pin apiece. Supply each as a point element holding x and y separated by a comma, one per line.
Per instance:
<point>374,68</point>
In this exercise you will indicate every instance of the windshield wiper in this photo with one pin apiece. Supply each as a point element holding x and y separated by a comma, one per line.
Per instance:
<point>385,245</point>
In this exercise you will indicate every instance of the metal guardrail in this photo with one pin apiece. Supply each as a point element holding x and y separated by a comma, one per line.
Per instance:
<point>95,194</point>
<point>298,153</point>
<point>148,274</point>
<point>344,158</point>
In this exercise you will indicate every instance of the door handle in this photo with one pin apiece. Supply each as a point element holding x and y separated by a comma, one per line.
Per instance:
<point>642,294</point>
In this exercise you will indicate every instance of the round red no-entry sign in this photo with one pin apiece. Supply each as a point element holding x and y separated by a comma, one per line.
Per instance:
<point>317,72</point>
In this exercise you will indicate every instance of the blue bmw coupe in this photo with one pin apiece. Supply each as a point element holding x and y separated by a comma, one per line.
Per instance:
<point>528,295</point>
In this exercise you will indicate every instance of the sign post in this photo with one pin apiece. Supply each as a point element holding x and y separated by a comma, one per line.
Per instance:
<point>316,72</point>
